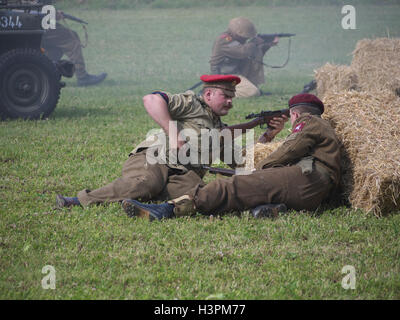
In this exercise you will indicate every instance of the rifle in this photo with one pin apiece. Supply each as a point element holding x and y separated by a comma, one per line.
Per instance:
<point>221,171</point>
<point>73,18</point>
<point>82,22</point>
<point>195,86</point>
<point>264,117</point>
<point>269,37</point>
<point>309,86</point>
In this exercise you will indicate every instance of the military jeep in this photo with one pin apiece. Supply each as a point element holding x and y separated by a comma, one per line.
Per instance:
<point>30,83</point>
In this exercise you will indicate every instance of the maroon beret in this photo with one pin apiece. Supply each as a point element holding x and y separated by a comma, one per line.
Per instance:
<point>226,82</point>
<point>306,99</point>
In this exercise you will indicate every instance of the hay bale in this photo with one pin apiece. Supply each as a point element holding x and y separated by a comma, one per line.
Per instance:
<point>335,78</point>
<point>377,64</point>
<point>368,125</point>
<point>261,151</point>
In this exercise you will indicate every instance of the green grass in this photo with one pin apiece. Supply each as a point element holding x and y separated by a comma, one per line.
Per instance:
<point>99,253</point>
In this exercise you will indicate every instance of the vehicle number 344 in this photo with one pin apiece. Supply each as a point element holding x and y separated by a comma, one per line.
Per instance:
<point>10,22</point>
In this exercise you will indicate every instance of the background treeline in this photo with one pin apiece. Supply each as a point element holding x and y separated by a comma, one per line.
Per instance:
<point>124,4</point>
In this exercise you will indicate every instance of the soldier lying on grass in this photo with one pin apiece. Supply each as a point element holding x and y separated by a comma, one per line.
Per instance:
<point>299,175</point>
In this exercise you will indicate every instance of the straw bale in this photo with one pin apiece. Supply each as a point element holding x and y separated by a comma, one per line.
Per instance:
<point>368,125</point>
<point>335,78</point>
<point>377,64</point>
<point>261,151</point>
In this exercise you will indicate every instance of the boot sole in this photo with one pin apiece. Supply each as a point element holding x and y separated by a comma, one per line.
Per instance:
<point>101,79</point>
<point>271,212</point>
<point>134,210</point>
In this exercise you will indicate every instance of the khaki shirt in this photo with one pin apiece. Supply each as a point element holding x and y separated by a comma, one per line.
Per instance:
<point>228,55</point>
<point>190,112</point>
<point>311,136</point>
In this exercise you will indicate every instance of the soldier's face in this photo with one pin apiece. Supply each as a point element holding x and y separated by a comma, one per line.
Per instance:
<point>218,101</point>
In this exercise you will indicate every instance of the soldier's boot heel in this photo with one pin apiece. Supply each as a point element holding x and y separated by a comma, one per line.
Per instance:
<point>64,202</point>
<point>268,210</point>
<point>134,208</point>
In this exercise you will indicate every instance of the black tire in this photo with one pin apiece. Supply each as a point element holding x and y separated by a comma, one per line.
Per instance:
<point>29,84</point>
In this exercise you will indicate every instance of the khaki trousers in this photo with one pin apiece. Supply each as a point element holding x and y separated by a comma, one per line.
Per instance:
<point>268,186</point>
<point>62,40</point>
<point>144,182</point>
<point>246,89</point>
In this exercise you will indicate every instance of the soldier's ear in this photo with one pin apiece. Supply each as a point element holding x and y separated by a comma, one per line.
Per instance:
<point>207,94</point>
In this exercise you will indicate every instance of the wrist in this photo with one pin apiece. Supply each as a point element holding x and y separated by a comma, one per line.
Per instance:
<point>267,136</point>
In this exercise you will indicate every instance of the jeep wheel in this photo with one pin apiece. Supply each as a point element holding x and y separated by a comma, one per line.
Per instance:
<point>29,84</point>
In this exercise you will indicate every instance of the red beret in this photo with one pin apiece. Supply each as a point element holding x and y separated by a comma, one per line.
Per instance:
<point>306,99</point>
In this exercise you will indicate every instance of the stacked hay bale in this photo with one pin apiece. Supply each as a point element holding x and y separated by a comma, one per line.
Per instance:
<point>368,124</point>
<point>335,78</point>
<point>377,64</point>
<point>365,111</point>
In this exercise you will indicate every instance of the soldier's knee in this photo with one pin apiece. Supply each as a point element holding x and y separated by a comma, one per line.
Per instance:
<point>247,92</point>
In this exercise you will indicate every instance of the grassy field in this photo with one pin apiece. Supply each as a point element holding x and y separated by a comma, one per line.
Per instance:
<point>100,253</point>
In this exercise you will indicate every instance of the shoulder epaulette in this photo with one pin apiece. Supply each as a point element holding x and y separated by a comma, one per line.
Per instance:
<point>226,37</point>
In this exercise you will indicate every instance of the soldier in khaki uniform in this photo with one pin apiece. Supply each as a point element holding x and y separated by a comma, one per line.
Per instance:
<point>64,41</point>
<point>152,180</point>
<point>298,175</point>
<point>232,53</point>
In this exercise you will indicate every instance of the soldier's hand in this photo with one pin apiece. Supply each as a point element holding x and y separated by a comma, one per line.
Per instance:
<point>258,40</point>
<point>275,42</point>
<point>274,127</point>
<point>176,142</point>
<point>277,123</point>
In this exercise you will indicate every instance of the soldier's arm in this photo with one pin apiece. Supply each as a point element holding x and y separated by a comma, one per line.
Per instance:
<point>297,145</point>
<point>265,46</point>
<point>276,125</point>
<point>157,107</point>
<point>235,50</point>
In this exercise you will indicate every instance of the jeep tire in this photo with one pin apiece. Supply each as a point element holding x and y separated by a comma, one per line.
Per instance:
<point>29,84</point>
